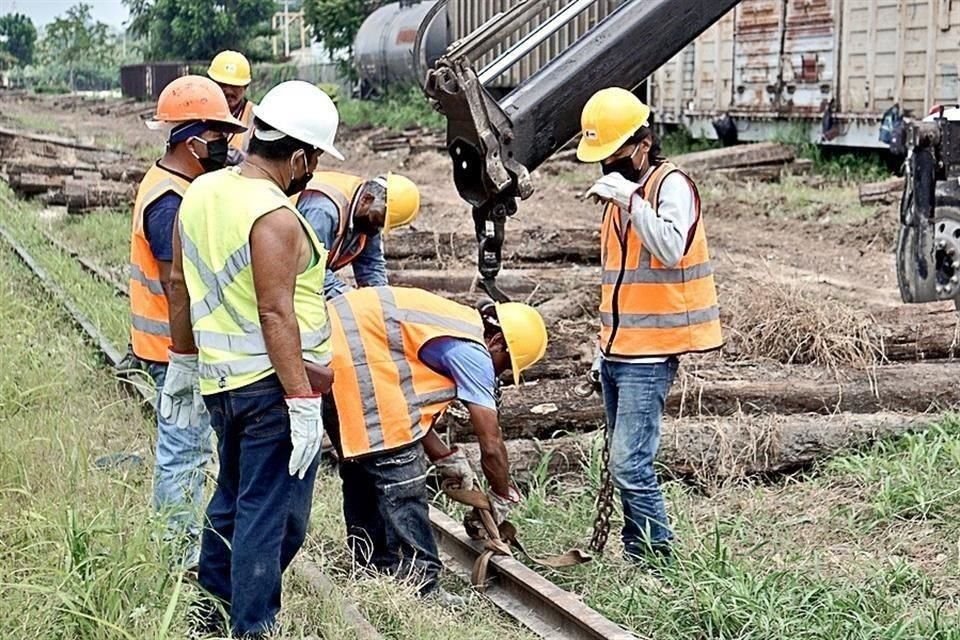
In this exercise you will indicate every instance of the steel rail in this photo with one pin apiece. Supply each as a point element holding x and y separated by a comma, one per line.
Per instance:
<point>304,568</point>
<point>524,595</point>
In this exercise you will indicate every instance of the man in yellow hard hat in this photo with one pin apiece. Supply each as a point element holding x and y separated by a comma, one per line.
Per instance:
<point>349,213</point>
<point>400,357</point>
<point>194,115</point>
<point>246,302</point>
<point>658,299</point>
<point>231,70</point>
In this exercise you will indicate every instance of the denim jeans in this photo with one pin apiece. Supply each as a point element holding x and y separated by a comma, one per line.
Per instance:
<point>634,396</point>
<point>178,474</point>
<point>258,516</point>
<point>387,515</point>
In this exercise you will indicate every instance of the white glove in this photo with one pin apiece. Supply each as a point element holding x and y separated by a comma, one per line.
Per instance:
<point>501,506</point>
<point>456,467</point>
<point>306,432</point>
<point>180,400</point>
<point>614,188</point>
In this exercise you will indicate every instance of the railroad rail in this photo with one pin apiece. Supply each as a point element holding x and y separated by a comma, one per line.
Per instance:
<point>524,595</point>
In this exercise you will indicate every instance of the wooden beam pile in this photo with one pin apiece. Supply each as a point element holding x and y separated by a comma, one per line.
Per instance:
<point>416,140</point>
<point>883,192</point>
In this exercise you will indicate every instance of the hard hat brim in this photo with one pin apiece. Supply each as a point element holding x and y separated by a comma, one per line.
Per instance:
<point>227,80</point>
<point>227,125</point>
<point>587,152</point>
<point>323,146</point>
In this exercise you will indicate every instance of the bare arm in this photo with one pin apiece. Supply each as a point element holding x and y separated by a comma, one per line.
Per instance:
<point>493,452</point>
<point>275,268</point>
<point>178,299</point>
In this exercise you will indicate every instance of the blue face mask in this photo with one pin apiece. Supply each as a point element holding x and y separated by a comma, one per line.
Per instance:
<point>623,166</point>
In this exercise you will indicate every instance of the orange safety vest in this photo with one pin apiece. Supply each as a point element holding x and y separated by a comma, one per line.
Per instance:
<point>646,307</point>
<point>240,141</point>
<point>386,396</point>
<point>341,188</point>
<point>149,325</point>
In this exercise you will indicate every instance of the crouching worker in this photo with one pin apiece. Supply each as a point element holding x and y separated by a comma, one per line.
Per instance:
<point>401,356</point>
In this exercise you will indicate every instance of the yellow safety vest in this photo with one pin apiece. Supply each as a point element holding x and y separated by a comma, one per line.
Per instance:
<point>216,217</point>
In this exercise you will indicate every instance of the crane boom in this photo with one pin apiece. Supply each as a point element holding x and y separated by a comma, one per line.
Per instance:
<point>495,145</point>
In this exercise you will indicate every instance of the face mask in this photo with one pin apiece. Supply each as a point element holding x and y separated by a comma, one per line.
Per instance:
<point>216,154</point>
<point>298,184</point>
<point>623,166</point>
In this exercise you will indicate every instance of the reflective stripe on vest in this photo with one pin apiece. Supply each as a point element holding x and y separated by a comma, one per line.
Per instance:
<point>216,219</point>
<point>149,325</point>
<point>647,308</point>
<point>386,397</point>
<point>341,189</point>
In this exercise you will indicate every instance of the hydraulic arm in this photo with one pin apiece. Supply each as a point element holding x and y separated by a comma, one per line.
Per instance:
<point>495,145</point>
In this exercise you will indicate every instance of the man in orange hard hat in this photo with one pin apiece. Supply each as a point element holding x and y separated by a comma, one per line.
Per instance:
<point>349,215</point>
<point>196,118</point>
<point>658,299</point>
<point>231,70</point>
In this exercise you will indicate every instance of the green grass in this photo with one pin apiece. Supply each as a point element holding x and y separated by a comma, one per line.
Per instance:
<point>401,110</point>
<point>847,166</point>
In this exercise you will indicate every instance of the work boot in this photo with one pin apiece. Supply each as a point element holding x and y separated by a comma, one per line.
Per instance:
<point>652,556</point>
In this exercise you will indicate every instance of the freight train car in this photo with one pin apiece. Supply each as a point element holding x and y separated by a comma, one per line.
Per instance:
<point>837,71</point>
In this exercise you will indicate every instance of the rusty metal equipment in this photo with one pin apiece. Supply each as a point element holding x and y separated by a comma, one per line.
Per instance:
<point>495,144</point>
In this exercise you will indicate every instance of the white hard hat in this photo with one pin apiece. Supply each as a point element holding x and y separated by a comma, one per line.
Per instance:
<point>302,111</point>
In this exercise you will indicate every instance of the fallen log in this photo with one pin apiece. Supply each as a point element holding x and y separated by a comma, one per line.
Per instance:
<point>528,245</point>
<point>57,141</point>
<point>79,196</point>
<point>31,184</point>
<point>543,408</point>
<point>714,449</point>
<point>44,166</point>
<point>883,192</point>
<point>916,332</point>
<point>741,155</point>
<point>123,172</point>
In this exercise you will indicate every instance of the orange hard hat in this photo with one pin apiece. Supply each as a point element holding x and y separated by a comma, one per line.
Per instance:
<point>194,98</point>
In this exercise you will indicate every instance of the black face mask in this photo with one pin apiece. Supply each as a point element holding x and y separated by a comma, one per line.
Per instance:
<point>298,184</point>
<point>216,155</point>
<point>623,166</point>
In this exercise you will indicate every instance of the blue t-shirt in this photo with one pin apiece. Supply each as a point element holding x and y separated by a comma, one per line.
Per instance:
<point>158,219</point>
<point>468,364</point>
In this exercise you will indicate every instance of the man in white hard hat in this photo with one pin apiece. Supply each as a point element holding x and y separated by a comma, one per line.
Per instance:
<point>247,302</point>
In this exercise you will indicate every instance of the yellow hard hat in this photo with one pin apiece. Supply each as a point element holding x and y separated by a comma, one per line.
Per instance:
<point>525,333</point>
<point>403,201</point>
<point>230,67</point>
<point>608,120</point>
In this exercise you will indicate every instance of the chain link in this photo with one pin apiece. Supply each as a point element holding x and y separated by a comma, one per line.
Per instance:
<point>601,524</point>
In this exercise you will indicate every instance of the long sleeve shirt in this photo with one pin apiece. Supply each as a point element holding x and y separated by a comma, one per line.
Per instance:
<point>665,230</point>
<point>369,267</point>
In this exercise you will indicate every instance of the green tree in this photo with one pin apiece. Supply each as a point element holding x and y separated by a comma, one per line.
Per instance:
<point>80,50</point>
<point>199,29</point>
<point>336,22</point>
<point>18,37</point>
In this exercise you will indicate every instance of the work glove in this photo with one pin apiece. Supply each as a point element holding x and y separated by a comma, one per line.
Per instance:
<point>180,400</point>
<point>613,188</point>
<point>306,431</point>
<point>500,506</point>
<point>455,467</point>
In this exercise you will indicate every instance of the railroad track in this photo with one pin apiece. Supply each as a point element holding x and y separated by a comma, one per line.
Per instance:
<point>518,591</point>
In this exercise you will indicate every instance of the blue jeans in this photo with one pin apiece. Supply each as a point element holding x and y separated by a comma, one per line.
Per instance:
<point>387,515</point>
<point>634,396</point>
<point>258,516</point>
<point>178,474</point>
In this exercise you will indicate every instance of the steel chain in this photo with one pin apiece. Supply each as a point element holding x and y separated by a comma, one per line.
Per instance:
<point>601,524</point>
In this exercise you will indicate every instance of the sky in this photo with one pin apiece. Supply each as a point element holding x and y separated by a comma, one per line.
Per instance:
<point>43,11</point>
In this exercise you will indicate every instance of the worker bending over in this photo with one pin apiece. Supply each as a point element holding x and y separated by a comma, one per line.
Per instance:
<point>400,357</point>
<point>195,116</point>
<point>248,296</point>
<point>231,70</point>
<point>658,299</point>
<point>348,214</point>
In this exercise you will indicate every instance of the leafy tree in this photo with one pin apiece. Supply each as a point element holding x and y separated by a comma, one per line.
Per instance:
<point>336,22</point>
<point>18,37</point>
<point>199,29</point>
<point>81,48</point>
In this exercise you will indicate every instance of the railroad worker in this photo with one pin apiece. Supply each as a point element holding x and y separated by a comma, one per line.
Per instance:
<point>400,357</point>
<point>247,296</point>
<point>195,115</point>
<point>231,70</point>
<point>658,299</point>
<point>348,214</point>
